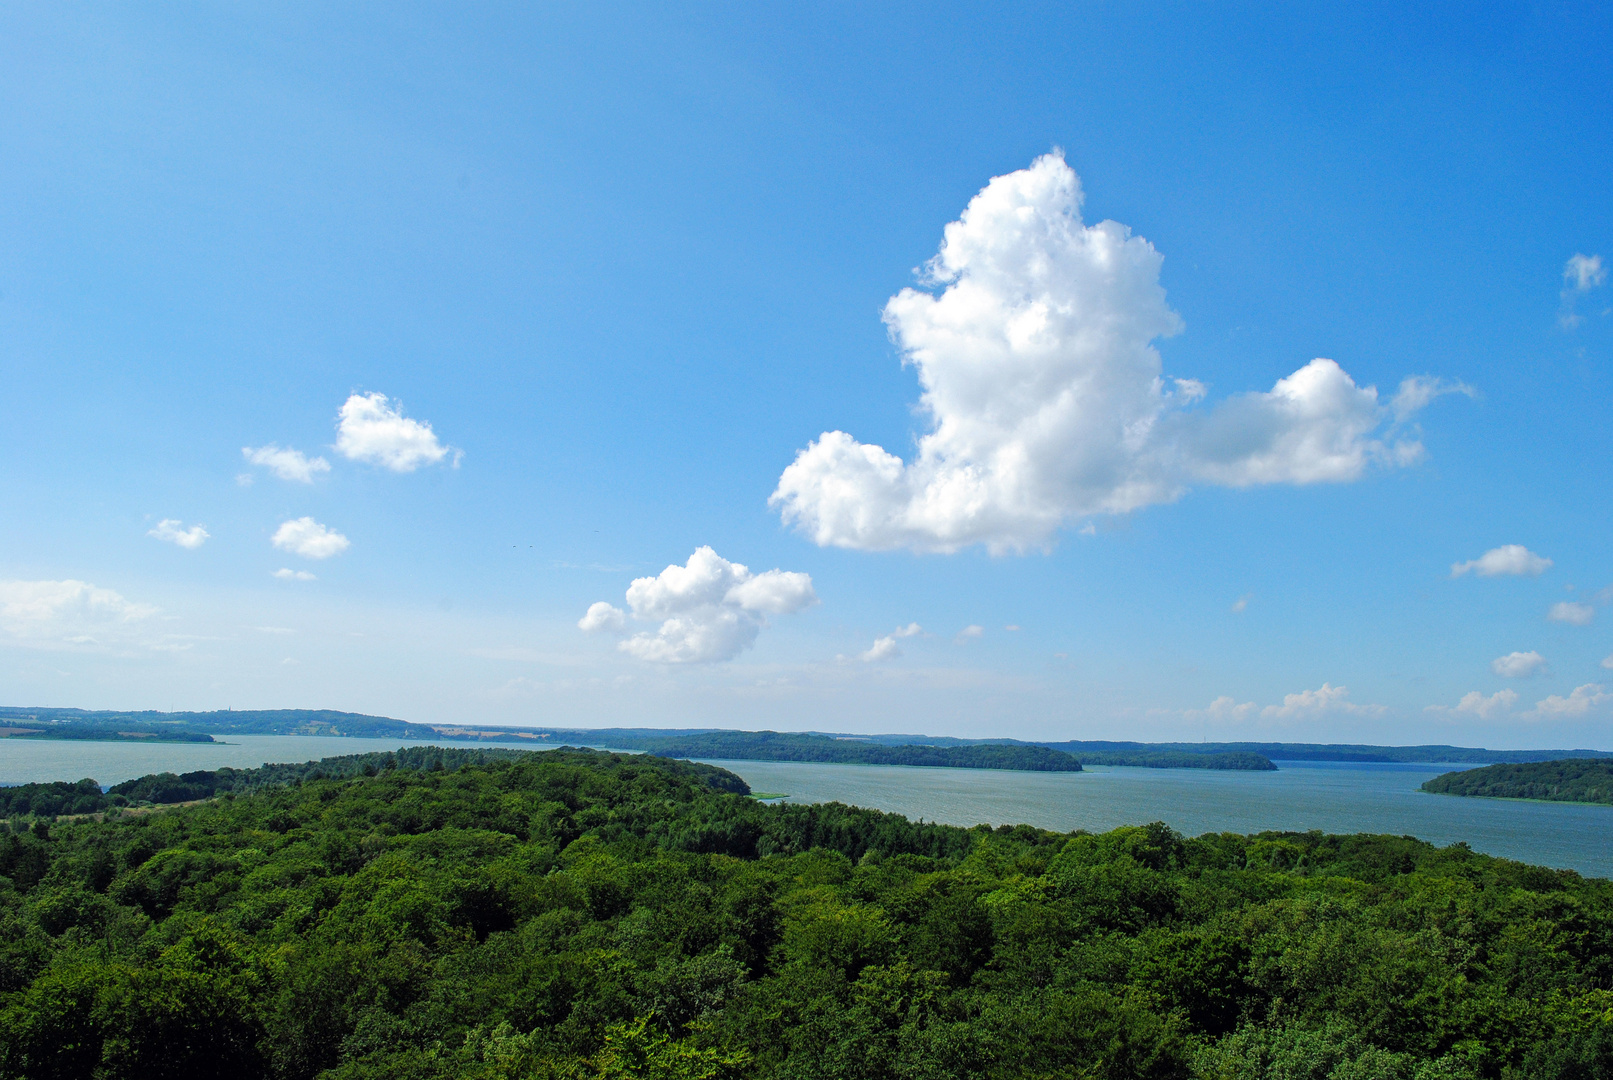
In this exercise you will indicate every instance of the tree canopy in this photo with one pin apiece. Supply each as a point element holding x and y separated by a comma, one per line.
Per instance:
<point>1574,780</point>
<point>589,915</point>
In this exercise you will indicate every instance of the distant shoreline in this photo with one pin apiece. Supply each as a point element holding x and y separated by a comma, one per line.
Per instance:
<point>764,745</point>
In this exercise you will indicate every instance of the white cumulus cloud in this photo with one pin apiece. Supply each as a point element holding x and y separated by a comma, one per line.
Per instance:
<point>287,574</point>
<point>1046,400</point>
<point>709,609</point>
<point>306,537</point>
<point>1579,702</point>
<point>67,613</point>
<point>602,616</point>
<point>885,648</point>
<point>1476,704</point>
<point>1572,613</point>
<point>1324,701</point>
<point>1224,707</point>
<point>286,463</point>
<point>969,633</point>
<point>372,428</point>
<point>1508,559</point>
<point>1607,662</point>
<point>1518,665</point>
<point>173,530</point>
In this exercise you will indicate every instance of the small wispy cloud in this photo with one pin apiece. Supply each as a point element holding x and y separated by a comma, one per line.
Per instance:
<point>1417,391</point>
<point>1241,604</point>
<point>885,648</point>
<point>306,537</point>
<point>1513,560</point>
<point>288,574</point>
<point>1476,704</point>
<point>1571,612</point>
<point>174,532</point>
<point>1581,274</point>
<point>286,463</point>
<point>1325,700</point>
<point>1518,665</point>
<point>968,633</point>
<point>1224,707</point>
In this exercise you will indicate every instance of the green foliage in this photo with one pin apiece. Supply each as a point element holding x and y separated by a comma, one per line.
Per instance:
<point>1574,780</point>
<point>49,800</point>
<point>581,916</point>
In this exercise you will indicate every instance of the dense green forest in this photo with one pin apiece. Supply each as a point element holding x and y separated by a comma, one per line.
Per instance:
<point>160,789</point>
<point>1574,780</point>
<point>436,914</point>
<point>48,800</point>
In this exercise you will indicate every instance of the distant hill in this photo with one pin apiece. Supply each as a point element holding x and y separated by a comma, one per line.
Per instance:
<point>787,746</point>
<point>1088,750</point>
<point>1574,780</point>
<point>54,723</point>
<point>85,723</point>
<point>1433,752</point>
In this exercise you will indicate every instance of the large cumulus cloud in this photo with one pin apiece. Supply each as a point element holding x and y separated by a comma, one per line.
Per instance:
<point>709,609</point>
<point>1046,399</point>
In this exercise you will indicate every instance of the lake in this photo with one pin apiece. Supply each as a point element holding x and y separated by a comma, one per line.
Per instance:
<point>1339,798</point>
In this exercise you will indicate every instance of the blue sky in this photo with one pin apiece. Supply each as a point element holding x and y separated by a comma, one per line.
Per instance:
<point>614,273</point>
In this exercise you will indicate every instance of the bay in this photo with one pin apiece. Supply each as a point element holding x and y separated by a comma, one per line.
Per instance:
<point>1299,796</point>
<point>1332,797</point>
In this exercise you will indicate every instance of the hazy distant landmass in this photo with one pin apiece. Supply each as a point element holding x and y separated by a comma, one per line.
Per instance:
<point>1574,780</point>
<point>887,749</point>
<point>97,726</point>
<point>789,746</point>
<point>1432,752</point>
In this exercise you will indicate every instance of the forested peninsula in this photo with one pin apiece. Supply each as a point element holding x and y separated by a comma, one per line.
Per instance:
<point>788,746</point>
<point>449,913</point>
<point>1573,780</point>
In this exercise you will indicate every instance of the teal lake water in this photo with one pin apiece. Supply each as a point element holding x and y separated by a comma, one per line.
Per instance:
<point>1299,795</point>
